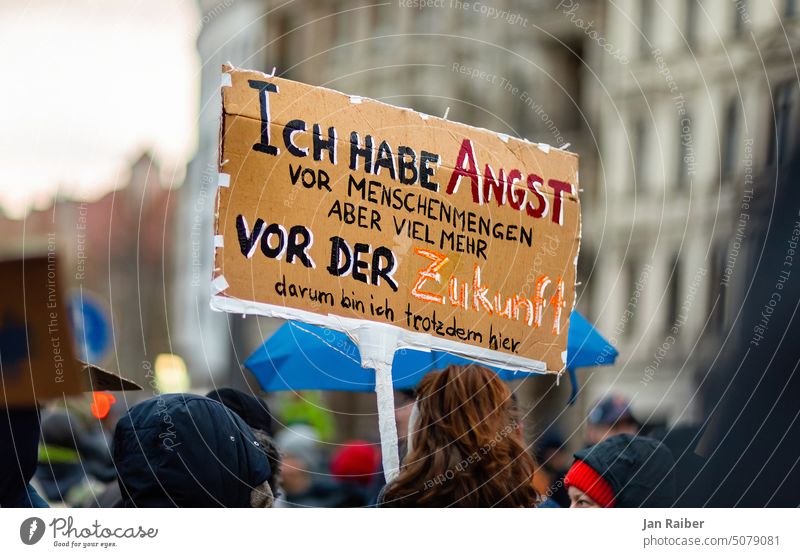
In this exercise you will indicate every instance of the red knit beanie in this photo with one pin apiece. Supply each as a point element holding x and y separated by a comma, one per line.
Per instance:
<point>356,461</point>
<point>585,478</point>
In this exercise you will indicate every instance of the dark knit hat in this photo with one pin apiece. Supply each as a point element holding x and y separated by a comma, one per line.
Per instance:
<point>251,409</point>
<point>640,471</point>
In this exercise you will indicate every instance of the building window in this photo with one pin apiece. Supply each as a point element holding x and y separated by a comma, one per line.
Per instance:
<point>645,26</point>
<point>729,140</point>
<point>784,101</point>
<point>790,8</point>
<point>716,291</point>
<point>639,149</point>
<point>690,23</point>
<point>741,16</point>
<point>374,20</point>
<point>521,114</point>
<point>281,45</point>
<point>673,292</point>
<point>685,151</point>
<point>632,269</point>
<point>572,63</point>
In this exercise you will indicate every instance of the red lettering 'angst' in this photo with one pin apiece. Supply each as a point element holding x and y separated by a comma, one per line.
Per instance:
<point>466,156</point>
<point>535,186</point>
<point>494,186</point>
<point>559,187</point>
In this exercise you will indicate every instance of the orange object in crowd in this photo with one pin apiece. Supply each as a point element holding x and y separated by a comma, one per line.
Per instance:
<point>101,404</point>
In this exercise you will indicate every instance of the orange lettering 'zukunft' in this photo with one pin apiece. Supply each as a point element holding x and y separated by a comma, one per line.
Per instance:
<point>508,307</point>
<point>431,272</point>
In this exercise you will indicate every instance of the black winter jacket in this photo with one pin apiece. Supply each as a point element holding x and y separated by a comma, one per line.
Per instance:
<point>184,450</point>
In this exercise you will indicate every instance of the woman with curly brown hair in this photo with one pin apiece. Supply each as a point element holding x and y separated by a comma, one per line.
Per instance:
<point>464,446</point>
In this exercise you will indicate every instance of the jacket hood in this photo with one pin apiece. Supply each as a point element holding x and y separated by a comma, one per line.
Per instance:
<point>251,409</point>
<point>183,450</point>
<point>640,470</point>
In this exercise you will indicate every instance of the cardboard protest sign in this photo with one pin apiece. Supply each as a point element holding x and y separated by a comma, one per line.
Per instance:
<point>334,209</point>
<point>35,338</point>
<point>37,353</point>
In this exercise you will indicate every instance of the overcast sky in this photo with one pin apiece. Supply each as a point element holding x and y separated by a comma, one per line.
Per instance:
<point>87,85</point>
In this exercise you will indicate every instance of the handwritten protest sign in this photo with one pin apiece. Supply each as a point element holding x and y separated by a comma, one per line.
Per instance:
<point>400,229</point>
<point>335,210</point>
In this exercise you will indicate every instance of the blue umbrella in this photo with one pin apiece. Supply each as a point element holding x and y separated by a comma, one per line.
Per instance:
<point>585,348</point>
<point>301,357</point>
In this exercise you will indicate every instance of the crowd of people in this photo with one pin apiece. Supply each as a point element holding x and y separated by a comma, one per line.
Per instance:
<point>461,439</point>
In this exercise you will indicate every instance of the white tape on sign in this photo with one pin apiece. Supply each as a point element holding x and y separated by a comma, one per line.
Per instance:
<point>377,344</point>
<point>387,427</point>
<point>219,241</point>
<point>219,284</point>
<point>224,180</point>
<point>407,339</point>
<point>226,80</point>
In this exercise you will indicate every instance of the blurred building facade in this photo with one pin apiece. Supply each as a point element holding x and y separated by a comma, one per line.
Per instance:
<point>113,250</point>
<point>668,104</point>
<point>690,131</point>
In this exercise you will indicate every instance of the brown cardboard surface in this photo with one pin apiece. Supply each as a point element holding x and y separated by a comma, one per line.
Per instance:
<point>431,232</point>
<point>37,361</point>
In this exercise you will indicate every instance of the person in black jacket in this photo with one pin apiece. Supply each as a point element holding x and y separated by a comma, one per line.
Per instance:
<point>19,444</point>
<point>184,450</point>
<point>255,412</point>
<point>622,471</point>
